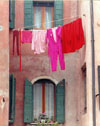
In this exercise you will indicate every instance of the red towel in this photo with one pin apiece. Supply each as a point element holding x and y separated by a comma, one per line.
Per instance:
<point>16,36</point>
<point>20,50</point>
<point>72,36</point>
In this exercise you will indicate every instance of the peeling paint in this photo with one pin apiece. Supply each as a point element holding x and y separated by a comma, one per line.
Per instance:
<point>4,93</point>
<point>2,103</point>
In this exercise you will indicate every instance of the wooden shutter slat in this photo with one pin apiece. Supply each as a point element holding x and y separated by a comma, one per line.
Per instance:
<point>28,102</point>
<point>58,12</point>
<point>12,98</point>
<point>12,14</point>
<point>60,102</point>
<point>28,14</point>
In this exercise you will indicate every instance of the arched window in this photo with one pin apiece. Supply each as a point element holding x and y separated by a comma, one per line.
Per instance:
<point>43,96</point>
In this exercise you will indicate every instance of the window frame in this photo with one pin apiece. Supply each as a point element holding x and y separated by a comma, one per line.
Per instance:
<point>43,82</point>
<point>43,5</point>
<point>59,102</point>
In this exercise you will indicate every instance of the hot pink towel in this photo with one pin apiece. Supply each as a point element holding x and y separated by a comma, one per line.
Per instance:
<point>26,36</point>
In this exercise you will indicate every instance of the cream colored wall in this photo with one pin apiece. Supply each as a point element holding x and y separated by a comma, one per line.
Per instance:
<point>97,54</point>
<point>86,119</point>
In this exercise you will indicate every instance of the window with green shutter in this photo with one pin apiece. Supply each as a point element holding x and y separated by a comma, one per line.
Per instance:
<point>11,14</point>
<point>12,96</point>
<point>28,14</point>
<point>44,97</point>
<point>60,102</point>
<point>28,102</point>
<point>38,14</point>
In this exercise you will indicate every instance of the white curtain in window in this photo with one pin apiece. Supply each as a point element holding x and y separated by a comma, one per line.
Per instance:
<point>37,17</point>
<point>48,17</point>
<point>49,100</point>
<point>37,99</point>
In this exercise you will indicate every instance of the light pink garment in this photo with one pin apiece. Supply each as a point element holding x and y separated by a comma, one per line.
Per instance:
<point>38,41</point>
<point>26,36</point>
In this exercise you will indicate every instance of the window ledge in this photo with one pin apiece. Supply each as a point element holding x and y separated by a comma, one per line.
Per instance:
<point>33,124</point>
<point>44,123</point>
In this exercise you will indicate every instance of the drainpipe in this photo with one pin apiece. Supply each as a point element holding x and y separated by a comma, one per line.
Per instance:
<point>93,62</point>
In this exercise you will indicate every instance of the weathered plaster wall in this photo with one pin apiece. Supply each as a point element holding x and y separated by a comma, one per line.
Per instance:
<point>87,119</point>
<point>34,66</point>
<point>97,54</point>
<point>4,63</point>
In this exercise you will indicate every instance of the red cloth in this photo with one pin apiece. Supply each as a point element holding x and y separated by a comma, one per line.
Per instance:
<point>72,36</point>
<point>16,37</point>
<point>26,36</point>
<point>20,50</point>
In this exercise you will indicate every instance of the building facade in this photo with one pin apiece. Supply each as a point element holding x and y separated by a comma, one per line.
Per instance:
<point>78,109</point>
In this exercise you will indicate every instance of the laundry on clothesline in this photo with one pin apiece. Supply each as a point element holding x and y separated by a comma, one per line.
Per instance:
<point>62,39</point>
<point>72,36</point>
<point>38,41</point>
<point>26,36</point>
<point>16,40</point>
<point>55,48</point>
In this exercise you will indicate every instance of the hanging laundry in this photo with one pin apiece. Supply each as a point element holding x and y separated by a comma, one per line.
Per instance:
<point>20,49</point>
<point>55,48</point>
<point>72,36</point>
<point>16,39</point>
<point>54,33</point>
<point>26,36</point>
<point>38,41</point>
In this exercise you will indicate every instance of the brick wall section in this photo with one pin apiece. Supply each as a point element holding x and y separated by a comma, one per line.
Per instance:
<point>4,62</point>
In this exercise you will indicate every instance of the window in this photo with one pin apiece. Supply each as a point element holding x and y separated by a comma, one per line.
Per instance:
<point>85,87</point>
<point>12,93</point>
<point>85,94</point>
<point>99,85</point>
<point>47,9</point>
<point>43,99</point>
<point>44,96</point>
<point>43,13</point>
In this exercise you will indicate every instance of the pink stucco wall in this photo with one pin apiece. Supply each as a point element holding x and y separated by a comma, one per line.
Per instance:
<point>4,63</point>
<point>34,66</point>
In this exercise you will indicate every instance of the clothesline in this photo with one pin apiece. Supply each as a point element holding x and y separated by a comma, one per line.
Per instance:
<point>60,40</point>
<point>71,18</point>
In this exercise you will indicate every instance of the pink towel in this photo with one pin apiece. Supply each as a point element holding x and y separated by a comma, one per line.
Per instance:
<point>26,36</point>
<point>38,41</point>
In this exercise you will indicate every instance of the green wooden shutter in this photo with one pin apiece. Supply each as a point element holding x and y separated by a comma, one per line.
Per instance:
<point>28,14</point>
<point>60,102</point>
<point>99,83</point>
<point>12,98</point>
<point>28,102</point>
<point>58,12</point>
<point>12,14</point>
